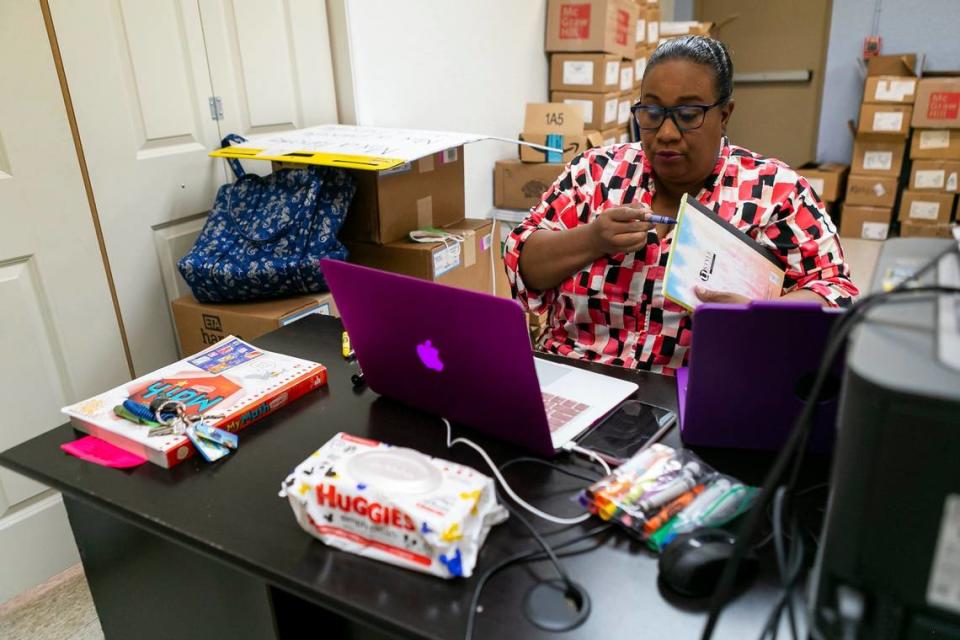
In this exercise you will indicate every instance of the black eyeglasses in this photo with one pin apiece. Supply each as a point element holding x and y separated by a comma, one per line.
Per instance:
<point>686,117</point>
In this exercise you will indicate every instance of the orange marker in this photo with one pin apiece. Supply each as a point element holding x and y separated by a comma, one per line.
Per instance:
<point>671,510</point>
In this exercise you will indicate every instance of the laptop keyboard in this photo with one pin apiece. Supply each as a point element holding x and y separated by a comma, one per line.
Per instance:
<point>561,410</point>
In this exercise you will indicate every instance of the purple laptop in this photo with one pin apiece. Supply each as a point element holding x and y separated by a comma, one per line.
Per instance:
<point>459,354</point>
<point>750,368</point>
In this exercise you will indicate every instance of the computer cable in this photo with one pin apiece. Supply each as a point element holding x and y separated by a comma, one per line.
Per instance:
<point>533,555</point>
<point>503,483</point>
<point>556,467</point>
<point>795,447</point>
<point>593,455</point>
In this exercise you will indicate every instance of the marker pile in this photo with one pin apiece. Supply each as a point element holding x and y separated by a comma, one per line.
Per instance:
<point>660,493</point>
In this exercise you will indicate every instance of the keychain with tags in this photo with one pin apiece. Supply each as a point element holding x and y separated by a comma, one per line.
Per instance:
<point>212,443</point>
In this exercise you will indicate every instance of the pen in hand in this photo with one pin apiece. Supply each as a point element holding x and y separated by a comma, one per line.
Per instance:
<point>654,218</point>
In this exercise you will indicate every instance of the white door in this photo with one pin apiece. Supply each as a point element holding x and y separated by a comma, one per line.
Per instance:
<point>140,73</point>
<point>59,338</point>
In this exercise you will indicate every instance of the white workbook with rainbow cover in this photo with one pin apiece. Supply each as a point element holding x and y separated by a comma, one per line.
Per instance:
<point>710,252</point>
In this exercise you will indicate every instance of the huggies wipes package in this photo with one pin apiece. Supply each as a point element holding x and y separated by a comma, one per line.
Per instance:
<point>394,504</point>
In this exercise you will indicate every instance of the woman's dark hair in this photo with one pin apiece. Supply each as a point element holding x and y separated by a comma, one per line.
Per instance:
<point>702,50</point>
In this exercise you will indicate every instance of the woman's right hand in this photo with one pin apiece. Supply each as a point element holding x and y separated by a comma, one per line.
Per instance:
<point>620,230</point>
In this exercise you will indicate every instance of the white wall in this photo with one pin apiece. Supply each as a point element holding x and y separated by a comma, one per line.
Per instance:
<point>468,65</point>
<point>906,26</point>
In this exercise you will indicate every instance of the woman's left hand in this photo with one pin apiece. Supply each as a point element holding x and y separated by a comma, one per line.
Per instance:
<point>723,297</point>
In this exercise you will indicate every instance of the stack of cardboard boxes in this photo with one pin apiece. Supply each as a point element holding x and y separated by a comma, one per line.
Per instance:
<point>594,47</point>
<point>423,194</point>
<point>829,180</point>
<point>879,147</point>
<point>929,206</point>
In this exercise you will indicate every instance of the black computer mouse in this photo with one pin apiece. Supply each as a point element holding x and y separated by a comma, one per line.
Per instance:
<point>692,563</point>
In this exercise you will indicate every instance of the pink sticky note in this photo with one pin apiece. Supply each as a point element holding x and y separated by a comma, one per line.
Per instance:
<point>101,452</point>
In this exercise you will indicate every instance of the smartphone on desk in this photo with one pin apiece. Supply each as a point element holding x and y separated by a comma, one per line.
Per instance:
<point>625,431</point>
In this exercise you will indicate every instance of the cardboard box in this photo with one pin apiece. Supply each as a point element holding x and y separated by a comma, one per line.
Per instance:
<point>201,325</point>
<point>624,103</point>
<point>466,265</point>
<point>897,64</point>
<point>389,204</point>
<point>685,28</point>
<point>938,103</point>
<point>623,136</point>
<point>926,207</point>
<point>940,175</point>
<point>543,120</point>
<point>520,185</point>
<point>826,179</point>
<point>585,72</point>
<point>611,136</point>
<point>640,64</point>
<point>935,144</point>
<point>599,110</point>
<point>874,191</point>
<point>869,223</point>
<point>885,119</point>
<point>592,25</point>
<point>501,230</point>
<point>914,230</point>
<point>890,89</point>
<point>877,155</point>
<point>652,16</point>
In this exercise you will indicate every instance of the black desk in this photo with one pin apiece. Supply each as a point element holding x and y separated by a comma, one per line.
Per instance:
<point>211,551</point>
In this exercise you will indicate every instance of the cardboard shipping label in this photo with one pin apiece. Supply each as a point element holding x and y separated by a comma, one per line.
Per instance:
<point>894,90</point>
<point>936,139</point>
<point>585,105</point>
<point>924,210</point>
<point>575,22</point>
<point>878,160</point>
<point>944,105</point>
<point>888,121</point>
<point>653,32</point>
<point>639,67</point>
<point>874,230</point>
<point>626,78</point>
<point>929,179</point>
<point>816,184</point>
<point>446,259</point>
<point>578,72</point>
<point>951,182</point>
<point>610,111</point>
<point>641,31</point>
<point>612,73</point>
<point>623,111</point>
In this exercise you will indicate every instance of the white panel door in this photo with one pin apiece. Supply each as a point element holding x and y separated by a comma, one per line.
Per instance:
<point>270,63</point>
<point>59,337</point>
<point>138,75</point>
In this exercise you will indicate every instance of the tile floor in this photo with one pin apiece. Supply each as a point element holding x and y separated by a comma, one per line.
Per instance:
<point>62,609</point>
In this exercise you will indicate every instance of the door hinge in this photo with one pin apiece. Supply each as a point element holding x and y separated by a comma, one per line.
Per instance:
<point>216,108</point>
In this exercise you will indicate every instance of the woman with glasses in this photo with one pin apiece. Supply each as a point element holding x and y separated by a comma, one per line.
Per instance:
<point>589,258</point>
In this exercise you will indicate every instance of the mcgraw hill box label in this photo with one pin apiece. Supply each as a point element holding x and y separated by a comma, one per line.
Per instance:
<point>585,72</point>
<point>938,103</point>
<point>607,26</point>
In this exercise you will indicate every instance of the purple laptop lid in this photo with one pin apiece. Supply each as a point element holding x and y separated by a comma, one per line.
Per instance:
<point>459,354</point>
<point>750,366</point>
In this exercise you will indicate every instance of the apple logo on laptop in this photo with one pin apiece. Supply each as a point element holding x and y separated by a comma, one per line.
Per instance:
<point>429,356</point>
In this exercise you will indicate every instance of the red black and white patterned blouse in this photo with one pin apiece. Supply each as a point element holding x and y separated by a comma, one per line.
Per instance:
<point>613,311</point>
